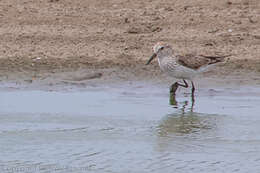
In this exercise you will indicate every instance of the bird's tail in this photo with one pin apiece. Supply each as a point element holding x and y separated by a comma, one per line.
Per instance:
<point>213,61</point>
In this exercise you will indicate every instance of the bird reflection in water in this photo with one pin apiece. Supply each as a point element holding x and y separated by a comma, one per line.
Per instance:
<point>174,102</point>
<point>184,121</point>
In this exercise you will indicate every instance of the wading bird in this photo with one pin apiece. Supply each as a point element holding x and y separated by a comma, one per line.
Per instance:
<point>184,67</point>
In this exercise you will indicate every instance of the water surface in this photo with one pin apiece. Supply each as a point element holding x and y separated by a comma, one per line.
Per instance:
<point>133,128</point>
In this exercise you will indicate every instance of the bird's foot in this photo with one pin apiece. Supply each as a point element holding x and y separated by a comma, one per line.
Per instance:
<point>173,88</point>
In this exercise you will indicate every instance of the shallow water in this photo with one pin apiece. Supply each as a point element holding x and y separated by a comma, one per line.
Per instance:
<point>131,128</point>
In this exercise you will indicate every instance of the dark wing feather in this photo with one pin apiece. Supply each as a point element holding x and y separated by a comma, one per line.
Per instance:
<point>192,61</point>
<point>215,59</point>
<point>197,61</point>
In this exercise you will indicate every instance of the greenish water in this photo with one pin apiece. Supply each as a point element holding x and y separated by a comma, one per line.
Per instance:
<point>132,128</point>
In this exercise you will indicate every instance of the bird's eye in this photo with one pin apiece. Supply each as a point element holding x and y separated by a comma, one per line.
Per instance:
<point>162,48</point>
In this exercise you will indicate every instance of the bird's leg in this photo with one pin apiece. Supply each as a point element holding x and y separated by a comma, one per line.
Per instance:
<point>193,88</point>
<point>185,85</point>
<point>175,86</point>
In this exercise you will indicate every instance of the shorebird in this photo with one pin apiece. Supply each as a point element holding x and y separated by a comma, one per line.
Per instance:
<point>184,67</point>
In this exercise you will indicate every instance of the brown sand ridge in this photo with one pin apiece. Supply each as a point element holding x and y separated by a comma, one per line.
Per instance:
<point>66,35</point>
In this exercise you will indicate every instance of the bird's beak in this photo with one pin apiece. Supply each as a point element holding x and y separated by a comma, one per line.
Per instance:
<point>151,58</point>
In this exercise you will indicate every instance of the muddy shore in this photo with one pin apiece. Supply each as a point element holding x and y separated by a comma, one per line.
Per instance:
<point>112,40</point>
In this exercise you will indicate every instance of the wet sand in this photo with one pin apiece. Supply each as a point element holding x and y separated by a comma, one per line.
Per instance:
<point>115,38</point>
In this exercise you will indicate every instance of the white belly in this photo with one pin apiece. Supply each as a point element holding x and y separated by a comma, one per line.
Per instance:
<point>177,71</point>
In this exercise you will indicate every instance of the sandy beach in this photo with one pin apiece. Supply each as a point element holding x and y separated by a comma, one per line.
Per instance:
<point>115,38</point>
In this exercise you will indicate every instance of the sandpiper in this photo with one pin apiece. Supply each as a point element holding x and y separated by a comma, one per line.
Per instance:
<point>184,67</point>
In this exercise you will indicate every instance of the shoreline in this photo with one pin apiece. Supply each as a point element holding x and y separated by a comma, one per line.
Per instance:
<point>83,73</point>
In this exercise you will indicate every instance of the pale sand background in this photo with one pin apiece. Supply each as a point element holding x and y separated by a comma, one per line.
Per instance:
<point>115,37</point>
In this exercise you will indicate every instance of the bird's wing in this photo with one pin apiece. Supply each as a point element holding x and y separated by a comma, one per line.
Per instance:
<point>197,61</point>
<point>192,61</point>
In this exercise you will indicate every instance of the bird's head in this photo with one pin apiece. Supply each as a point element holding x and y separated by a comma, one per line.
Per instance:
<point>156,49</point>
